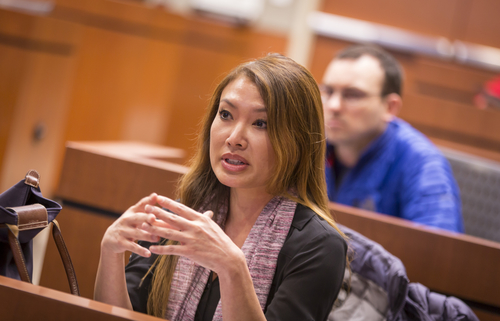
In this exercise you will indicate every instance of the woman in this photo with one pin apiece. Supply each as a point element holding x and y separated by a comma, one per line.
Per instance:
<point>251,238</point>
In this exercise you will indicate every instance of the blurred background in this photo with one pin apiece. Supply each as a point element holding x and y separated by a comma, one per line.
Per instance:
<point>144,70</point>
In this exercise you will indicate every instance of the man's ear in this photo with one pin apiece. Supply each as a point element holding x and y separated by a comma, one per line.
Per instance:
<point>394,104</point>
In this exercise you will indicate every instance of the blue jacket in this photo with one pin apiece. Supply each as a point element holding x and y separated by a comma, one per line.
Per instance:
<point>401,173</point>
<point>380,289</point>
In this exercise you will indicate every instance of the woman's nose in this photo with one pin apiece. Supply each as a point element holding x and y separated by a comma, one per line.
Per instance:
<point>237,137</point>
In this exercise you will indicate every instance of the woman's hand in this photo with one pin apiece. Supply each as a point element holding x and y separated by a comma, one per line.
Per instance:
<point>201,239</point>
<point>111,286</point>
<point>123,233</point>
<point>204,242</point>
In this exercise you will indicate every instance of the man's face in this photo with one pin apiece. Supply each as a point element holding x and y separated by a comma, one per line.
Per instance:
<point>355,112</point>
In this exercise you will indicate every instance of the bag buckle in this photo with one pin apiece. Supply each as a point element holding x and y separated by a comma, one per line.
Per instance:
<point>32,178</point>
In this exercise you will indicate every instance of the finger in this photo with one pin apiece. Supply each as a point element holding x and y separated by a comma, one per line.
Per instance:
<point>121,245</point>
<point>149,237</point>
<point>209,214</point>
<point>166,233</point>
<point>155,222</point>
<point>139,250</point>
<point>161,223</point>
<point>168,250</point>
<point>151,199</point>
<point>172,220</point>
<point>137,234</point>
<point>136,219</point>
<point>178,208</point>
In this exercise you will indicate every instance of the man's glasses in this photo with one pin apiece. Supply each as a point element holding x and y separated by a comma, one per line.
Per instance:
<point>349,96</point>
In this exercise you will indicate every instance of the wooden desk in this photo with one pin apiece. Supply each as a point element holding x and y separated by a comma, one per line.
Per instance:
<point>112,176</point>
<point>450,263</point>
<point>99,181</point>
<point>25,301</point>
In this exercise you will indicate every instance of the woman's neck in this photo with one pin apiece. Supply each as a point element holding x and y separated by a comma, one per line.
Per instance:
<point>245,207</point>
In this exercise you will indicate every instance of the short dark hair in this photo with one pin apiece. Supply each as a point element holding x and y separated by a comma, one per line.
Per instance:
<point>393,81</point>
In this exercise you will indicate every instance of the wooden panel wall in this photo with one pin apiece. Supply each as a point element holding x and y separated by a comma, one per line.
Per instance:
<point>474,21</point>
<point>426,16</point>
<point>481,24</point>
<point>438,94</point>
<point>36,72</point>
<point>155,70</point>
<point>109,70</point>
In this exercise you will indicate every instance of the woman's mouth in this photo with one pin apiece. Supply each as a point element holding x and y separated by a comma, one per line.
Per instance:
<point>234,161</point>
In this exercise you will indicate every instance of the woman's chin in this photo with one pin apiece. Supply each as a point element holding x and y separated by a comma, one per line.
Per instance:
<point>232,183</point>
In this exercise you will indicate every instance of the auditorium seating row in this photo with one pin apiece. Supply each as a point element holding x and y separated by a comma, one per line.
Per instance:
<point>105,70</point>
<point>120,70</point>
<point>96,188</point>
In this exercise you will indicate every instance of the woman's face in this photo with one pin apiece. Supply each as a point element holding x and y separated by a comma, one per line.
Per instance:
<point>241,154</point>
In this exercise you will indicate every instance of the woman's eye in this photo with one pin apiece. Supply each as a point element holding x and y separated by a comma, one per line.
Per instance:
<point>261,123</point>
<point>224,114</point>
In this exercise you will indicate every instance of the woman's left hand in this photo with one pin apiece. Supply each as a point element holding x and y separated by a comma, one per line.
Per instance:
<point>201,239</point>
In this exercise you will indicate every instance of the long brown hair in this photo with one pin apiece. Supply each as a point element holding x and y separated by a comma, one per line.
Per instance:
<point>296,131</point>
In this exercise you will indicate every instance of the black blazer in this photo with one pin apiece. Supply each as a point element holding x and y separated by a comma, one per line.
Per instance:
<point>309,274</point>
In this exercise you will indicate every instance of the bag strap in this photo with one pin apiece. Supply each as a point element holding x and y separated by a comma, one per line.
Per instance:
<point>28,217</point>
<point>17,252</point>
<point>66,259</point>
<point>32,217</point>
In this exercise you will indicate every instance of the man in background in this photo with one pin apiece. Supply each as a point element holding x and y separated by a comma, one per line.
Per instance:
<point>375,160</point>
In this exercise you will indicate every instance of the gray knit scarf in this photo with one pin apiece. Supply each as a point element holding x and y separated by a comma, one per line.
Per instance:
<point>261,249</point>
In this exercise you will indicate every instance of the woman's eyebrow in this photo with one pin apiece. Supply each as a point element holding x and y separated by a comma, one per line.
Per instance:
<point>227,101</point>
<point>259,110</point>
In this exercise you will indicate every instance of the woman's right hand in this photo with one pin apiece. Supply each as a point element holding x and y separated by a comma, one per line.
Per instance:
<point>122,235</point>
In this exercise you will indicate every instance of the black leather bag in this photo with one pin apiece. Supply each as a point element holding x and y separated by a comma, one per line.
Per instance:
<point>24,212</point>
